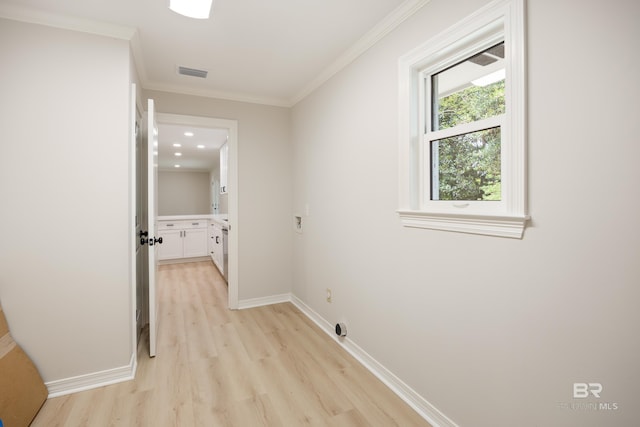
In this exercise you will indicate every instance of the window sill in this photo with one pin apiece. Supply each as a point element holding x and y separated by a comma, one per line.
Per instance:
<point>488,225</point>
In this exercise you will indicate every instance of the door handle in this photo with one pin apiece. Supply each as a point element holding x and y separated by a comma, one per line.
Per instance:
<point>142,234</point>
<point>152,241</point>
<point>155,240</point>
<point>217,237</point>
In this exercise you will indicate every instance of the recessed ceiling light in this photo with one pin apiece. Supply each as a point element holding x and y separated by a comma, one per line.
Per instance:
<point>200,146</point>
<point>177,154</point>
<point>188,134</point>
<point>177,145</point>
<point>197,9</point>
<point>176,166</point>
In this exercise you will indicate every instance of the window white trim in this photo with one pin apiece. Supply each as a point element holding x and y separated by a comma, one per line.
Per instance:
<point>490,225</point>
<point>497,21</point>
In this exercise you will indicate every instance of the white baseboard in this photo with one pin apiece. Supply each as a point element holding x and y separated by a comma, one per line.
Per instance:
<point>259,302</point>
<point>425,409</point>
<point>94,380</point>
<point>184,260</point>
<point>406,393</point>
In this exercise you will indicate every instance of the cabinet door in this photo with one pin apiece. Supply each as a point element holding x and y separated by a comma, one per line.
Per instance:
<point>171,247</point>
<point>212,240</point>
<point>195,242</point>
<point>224,167</point>
<point>218,256</point>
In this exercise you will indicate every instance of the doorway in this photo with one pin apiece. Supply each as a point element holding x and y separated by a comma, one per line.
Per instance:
<point>138,186</point>
<point>231,127</point>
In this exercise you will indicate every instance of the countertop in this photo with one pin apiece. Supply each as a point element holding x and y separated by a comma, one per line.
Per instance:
<point>184,217</point>
<point>219,219</point>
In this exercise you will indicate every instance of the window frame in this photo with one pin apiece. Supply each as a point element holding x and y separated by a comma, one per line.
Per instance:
<point>500,20</point>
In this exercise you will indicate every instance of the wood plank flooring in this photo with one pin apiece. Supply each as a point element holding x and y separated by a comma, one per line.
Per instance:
<point>266,366</point>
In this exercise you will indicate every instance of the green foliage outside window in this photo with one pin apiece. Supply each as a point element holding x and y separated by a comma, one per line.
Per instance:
<point>469,164</point>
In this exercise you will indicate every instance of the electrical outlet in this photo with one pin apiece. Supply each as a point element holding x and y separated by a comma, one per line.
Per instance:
<point>328,295</point>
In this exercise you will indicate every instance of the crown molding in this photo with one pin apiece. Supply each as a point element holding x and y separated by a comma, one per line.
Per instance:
<point>35,16</point>
<point>384,27</point>
<point>228,96</point>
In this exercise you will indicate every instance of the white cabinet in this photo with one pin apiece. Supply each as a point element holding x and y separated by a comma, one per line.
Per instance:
<point>224,167</point>
<point>216,245</point>
<point>171,247</point>
<point>182,239</point>
<point>195,242</point>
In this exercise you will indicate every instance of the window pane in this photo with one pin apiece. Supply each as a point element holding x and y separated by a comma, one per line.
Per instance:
<point>469,91</point>
<point>466,167</point>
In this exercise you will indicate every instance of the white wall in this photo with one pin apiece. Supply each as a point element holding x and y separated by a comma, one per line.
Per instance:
<point>64,186</point>
<point>492,331</point>
<point>183,193</point>
<point>265,225</point>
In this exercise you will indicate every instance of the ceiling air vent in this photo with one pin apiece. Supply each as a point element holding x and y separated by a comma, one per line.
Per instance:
<point>186,71</point>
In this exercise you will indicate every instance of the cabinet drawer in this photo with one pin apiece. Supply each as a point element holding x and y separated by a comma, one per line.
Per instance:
<point>170,225</point>
<point>194,223</point>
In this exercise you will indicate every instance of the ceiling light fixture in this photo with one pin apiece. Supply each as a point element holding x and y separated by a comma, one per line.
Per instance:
<point>177,154</point>
<point>200,146</point>
<point>197,9</point>
<point>188,134</point>
<point>177,145</point>
<point>176,166</point>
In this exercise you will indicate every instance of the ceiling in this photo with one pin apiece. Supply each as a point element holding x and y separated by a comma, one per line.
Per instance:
<point>198,152</point>
<point>271,52</point>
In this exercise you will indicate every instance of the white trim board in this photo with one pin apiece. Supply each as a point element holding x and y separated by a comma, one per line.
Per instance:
<point>93,380</point>
<point>234,226</point>
<point>40,17</point>
<point>125,373</point>
<point>384,27</point>
<point>262,301</point>
<point>380,30</point>
<point>425,409</point>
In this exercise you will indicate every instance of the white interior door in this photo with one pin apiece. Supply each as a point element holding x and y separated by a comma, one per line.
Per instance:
<point>152,207</point>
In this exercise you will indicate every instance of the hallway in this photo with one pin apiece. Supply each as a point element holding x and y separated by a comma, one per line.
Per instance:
<point>265,366</point>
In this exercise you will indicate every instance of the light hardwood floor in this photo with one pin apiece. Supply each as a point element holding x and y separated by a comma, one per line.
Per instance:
<point>266,366</point>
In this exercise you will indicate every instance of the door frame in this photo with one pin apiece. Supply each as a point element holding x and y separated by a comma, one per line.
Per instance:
<point>135,116</point>
<point>136,108</point>
<point>232,178</point>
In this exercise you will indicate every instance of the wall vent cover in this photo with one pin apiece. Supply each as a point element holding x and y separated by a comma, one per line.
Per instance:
<point>193,72</point>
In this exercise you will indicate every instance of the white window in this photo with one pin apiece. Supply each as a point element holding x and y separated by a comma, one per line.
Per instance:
<point>462,126</point>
